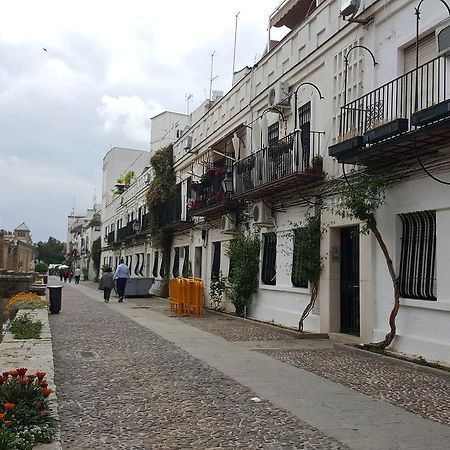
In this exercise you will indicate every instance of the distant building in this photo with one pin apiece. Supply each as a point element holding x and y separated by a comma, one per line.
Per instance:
<point>16,250</point>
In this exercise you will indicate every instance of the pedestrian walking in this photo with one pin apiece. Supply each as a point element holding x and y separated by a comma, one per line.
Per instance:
<point>66,275</point>
<point>107,283</point>
<point>61,274</point>
<point>70,275</point>
<point>121,276</point>
<point>77,274</point>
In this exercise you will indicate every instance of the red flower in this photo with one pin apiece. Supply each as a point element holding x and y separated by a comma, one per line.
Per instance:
<point>5,374</point>
<point>9,406</point>
<point>22,371</point>
<point>31,377</point>
<point>14,373</point>
<point>46,391</point>
<point>2,416</point>
<point>22,381</point>
<point>43,383</point>
<point>40,375</point>
<point>3,379</point>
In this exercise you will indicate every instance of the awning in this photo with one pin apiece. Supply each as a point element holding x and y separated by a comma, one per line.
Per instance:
<point>291,13</point>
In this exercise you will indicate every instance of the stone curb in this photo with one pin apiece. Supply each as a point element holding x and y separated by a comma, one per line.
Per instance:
<point>34,354</point>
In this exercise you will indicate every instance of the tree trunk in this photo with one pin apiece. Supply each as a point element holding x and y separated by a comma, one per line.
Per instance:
<point>390,336</point>
<point>310,305</point>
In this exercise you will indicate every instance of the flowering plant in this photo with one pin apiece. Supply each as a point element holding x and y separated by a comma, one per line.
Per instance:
<point>196,203</point>
<point>24,413</point>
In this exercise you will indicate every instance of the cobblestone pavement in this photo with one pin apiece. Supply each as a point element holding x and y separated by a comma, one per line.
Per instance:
<point>122,386</point>
<point>228,327</point>
<point>422,392</point>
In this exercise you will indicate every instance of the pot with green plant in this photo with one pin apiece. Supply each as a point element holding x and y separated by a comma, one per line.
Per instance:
<point>316,167</point>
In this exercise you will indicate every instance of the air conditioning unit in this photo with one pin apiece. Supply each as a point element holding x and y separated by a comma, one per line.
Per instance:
<point>187,144</point>
<point>262,216</point>
<point>443,38</point>
<point>147,178</point>
<point>349,7</point>
<point>279,95</point>
<point>229,224</point>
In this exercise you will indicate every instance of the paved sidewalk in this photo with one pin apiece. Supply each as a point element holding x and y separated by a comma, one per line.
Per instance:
<point>132,384</point>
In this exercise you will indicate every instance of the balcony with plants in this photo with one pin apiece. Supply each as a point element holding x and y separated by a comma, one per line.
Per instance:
<point>405,119</point>
<point>171,217</point>
<point>210,196</point>
<point>291,162</point>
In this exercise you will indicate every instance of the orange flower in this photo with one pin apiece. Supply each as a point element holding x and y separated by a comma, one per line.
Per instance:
<point>9,406</point>
<point>22,371</point>
<point>40,375</point>
<point>46,391</point>
<point>2,416</point>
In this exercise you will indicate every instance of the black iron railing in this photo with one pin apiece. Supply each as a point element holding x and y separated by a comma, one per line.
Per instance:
<point>111,237</point>
<point>414,91</point>
<point>171,213</point>
<point>293,154</point>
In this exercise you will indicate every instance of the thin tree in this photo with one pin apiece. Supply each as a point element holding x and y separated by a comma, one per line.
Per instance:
<point>360,198</point>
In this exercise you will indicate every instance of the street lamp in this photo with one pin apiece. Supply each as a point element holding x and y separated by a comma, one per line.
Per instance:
<point>227,183</point>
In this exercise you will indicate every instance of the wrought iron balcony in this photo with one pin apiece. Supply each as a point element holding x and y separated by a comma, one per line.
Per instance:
<point>293,161</point>
<point>208,197</point>
<point>170,217</point>
<point>407,115</point>
<point>111,237</point>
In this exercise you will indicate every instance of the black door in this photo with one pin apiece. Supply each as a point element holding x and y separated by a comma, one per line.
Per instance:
<point>350,280</point>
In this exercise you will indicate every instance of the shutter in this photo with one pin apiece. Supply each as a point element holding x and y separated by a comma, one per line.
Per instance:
<point>427,52</point>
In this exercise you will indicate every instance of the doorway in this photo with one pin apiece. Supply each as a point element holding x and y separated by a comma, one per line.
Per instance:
<point>198,262</point>
<point>350,320</point>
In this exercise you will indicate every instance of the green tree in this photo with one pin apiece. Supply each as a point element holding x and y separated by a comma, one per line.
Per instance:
<point>96,254</point>
<point>243,252</point>
<point>360,198</point>
<point>51,252</point>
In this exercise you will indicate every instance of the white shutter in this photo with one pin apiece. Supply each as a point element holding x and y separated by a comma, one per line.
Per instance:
<point>427,52</point>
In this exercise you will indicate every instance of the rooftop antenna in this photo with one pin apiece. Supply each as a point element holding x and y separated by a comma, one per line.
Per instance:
<point>95,198</point>
<point>235,39</point>
<point>73,206</point>
<point>188,98</point>
<point>212,78</point>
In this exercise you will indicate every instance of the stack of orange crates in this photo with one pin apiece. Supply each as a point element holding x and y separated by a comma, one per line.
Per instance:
<point>186,296</point>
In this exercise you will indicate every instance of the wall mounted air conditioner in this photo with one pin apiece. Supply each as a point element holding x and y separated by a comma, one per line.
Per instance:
<point>229,224</point>
<point>443,38</point>
<point>187,143</point>
<point>262,216</point>
<point>279,95</point>
<point>147,178</point>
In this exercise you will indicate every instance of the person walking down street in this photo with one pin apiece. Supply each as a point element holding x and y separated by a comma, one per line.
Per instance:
<point>61,274</point>
<point>121,276</point>
<point>70,275</point>
<point>66,275</point>
<point>77,274</point>
<point>107,283</point>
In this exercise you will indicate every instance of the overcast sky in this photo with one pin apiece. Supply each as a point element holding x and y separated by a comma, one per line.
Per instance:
<point>108,67</point>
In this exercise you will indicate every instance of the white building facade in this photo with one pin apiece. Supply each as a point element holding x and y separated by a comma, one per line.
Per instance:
<point>349,93</point>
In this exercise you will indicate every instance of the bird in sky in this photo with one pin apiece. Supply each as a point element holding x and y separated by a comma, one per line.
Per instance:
<point>45,50</point>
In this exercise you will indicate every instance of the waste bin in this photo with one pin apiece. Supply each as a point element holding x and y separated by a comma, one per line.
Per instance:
<point>54,295</point>
<point>45,279</point>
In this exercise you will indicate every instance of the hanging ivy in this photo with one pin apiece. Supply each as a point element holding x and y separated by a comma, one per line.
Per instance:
<point>308,263</point>
<point>243,252</point>
<point>162,189</point>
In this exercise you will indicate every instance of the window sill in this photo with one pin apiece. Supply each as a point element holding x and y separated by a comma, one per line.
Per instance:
<point>425,304</point>
<point>294,290</point>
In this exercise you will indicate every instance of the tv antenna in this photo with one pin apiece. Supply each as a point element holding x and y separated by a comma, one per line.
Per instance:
<point>188,98</point>
<point>212,78</point>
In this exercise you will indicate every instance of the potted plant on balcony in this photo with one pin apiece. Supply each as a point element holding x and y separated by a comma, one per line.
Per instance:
<point>278,149</point>
<point>316,167</point>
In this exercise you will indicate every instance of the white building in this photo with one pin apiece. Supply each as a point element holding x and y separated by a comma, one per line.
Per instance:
<point>267,131</point>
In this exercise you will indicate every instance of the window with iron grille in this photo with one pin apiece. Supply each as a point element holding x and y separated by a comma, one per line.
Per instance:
<point>186,265</point>
<point>418,255</point>
<point>304,123</point>
<point>155,265</point>
<point>269,265</point>
<point>297,261</point>
<point>215,268</point>
<point>176,263</point>
<point>273,133</point>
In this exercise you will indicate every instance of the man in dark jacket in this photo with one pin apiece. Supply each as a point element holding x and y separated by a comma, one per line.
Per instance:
<point>107,284</point>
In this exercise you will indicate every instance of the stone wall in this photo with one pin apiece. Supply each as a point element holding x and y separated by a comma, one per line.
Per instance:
<point>12,284</point>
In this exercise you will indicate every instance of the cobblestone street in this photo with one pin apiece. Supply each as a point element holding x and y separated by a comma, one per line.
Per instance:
<point>124,385</point>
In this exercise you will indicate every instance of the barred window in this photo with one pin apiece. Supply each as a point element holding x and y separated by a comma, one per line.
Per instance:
<point>215,268</point>
<point>418,255</point>
<point>176,263</point>
<point>297,261</point>
<point>155,265</point>
<point>269,265</point>
<point>304,122</point>
<point>273,133</point>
